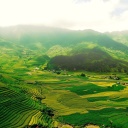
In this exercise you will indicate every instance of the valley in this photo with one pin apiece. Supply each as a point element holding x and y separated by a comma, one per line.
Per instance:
<point>74,99</point>
<point>58,78</point>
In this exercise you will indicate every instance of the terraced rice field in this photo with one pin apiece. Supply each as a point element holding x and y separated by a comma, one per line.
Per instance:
<point>77,101</point>
<point>87,102</point>
<point>18,110</point>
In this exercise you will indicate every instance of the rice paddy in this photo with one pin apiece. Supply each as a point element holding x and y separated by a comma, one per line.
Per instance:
<point>75,100</point>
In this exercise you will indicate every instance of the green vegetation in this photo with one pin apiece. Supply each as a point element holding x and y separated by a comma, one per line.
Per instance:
<point>91,60</point>
<point>108,117</point>
<point>43,97</point>
<point>53,77</point>
<point>92,89</point>
<point>19,109</point>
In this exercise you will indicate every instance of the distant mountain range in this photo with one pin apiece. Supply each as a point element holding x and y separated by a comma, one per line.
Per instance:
<point>65,49</point>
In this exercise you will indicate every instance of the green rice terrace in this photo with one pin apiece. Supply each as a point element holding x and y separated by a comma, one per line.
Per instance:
<point>47,99</point>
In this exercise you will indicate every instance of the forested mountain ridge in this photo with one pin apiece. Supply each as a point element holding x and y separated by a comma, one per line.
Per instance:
<point>93,60</point>
<point>38,45</point>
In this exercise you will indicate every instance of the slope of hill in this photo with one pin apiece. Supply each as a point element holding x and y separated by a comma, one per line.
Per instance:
<point>119,36</point>
<point>29,43</point>
<point>90,60</point>
<point>48,37</point>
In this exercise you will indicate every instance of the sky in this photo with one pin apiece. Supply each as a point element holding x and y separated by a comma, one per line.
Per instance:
<point>99,15</point>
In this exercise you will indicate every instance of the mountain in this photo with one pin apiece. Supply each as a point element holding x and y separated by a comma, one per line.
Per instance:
<point>47,37</point>
<point>89,50</point>
<point>119,36</point>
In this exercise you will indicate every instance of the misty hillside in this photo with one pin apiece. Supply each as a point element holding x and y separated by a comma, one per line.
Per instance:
<point>119,36</point>
<point>67,49</point>
<point>54,36</point>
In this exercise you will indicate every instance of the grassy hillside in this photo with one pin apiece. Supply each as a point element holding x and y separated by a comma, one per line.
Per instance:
<point>44,38</point>
<point>36,45</point>
<point>94,60</point>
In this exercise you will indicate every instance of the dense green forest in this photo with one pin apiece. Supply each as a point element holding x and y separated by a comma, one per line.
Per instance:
<point>94,60</point>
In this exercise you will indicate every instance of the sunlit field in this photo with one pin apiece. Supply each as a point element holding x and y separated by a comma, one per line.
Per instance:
<point>74,99</point>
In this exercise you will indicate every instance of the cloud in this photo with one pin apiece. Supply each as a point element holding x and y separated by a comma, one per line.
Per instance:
<point>100,15</point>
<point>124,1</point>
<point>121,8</point>
<point>81,1</point>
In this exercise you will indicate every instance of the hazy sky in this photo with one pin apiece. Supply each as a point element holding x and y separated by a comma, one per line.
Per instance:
<point>100,15</point>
